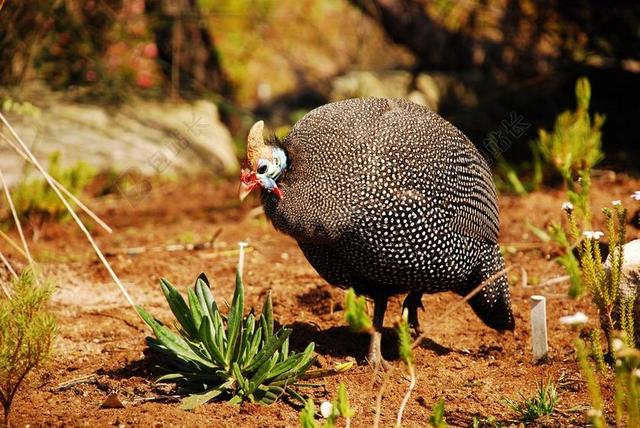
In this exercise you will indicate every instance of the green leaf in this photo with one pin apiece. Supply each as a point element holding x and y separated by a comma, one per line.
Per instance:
<point>194,306</point>
<point>234,321</point>
<point>267,317</point>
<point>356,313</point>
<point>194,400</point>
<point>205,297</point>
<point>207,337</point>
<point>237,374</point>
<point>342,402</point>
<point>437,415</point>
<point>178,307</point>
<point>262,373</point>
<point>170,340</point>
<point>308,415</point>
<point>269,348</point>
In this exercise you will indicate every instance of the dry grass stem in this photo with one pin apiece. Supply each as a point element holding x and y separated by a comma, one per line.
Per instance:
<point>14,213</point>
<point>13,244</point>
<point>72,212</point>
<point>70,195</point>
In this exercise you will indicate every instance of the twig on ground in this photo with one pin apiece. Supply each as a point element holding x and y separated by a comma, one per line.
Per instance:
<point>73,214</point>
<point>70,195</point>
<point>92,378</point>
<point>134,251</point>
<point>156,398</point>
<point>556,280</point>
<point>385,380</point>
<point>17,222</point>
<point>405,399</point>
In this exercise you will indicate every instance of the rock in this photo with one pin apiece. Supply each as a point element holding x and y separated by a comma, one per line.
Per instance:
<point>630,281</point>
<point>428,89</point>
<point>148,137</point>
<point>386,84</point>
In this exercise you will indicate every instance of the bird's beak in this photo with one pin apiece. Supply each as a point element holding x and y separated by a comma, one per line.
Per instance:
<point>248,182</point>
<point>244,190</point>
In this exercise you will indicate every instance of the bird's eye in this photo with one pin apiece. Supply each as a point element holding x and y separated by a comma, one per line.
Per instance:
<point>262,169</point>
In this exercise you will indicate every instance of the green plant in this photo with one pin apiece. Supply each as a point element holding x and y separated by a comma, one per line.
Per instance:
<point>627,385</point>
<point>575,144</point>
<point>235,356</point>
<point>27,330</point>
<point>603,284</point>
<point>542,403</point>
<point>339,407</point>
<point>355,313</point>
<point>35,199</point>
<point>436,419</point>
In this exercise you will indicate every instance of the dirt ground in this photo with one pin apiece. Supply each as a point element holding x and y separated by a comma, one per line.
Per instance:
<point>469,365</point>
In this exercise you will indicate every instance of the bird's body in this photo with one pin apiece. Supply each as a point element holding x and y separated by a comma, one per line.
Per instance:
<point>387,197</point>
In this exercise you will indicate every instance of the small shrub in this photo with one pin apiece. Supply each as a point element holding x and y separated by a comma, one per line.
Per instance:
<point>603,286</point>
<point>236,357</point>
<point>36,200</point>
<point>27,330</point>
<point>575,144</point>
<point>542,403</point>
<point>338,408</point>
<point>355,313</point>
<point>436,419</point>
<point>627,385</point>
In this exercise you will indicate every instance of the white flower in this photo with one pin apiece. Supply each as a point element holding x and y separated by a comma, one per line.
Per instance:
<point>568,207</point>
<point>636,373</point>
<point>636,195</point>
<point>326,409</point>
<point>616,203</point>
<point>593,234</point>
<point>578,318</point>
<point>617,344</point>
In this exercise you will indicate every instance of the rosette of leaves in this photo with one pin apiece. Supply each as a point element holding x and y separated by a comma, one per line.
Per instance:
<point>234,357</point>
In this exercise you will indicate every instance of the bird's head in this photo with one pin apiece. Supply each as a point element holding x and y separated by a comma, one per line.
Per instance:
<point>266,163</point>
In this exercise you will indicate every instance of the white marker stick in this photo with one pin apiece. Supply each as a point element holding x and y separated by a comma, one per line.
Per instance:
<point>539,327</point>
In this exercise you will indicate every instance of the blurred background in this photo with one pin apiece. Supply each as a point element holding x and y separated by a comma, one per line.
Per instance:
<point>139,87</point>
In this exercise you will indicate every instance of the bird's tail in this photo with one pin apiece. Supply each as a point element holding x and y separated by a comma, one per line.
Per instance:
<point>493,303</point>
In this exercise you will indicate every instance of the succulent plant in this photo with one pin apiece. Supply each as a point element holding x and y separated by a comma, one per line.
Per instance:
<point>235,357</point>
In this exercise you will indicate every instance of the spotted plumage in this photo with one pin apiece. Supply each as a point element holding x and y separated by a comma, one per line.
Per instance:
<point>387,197</point>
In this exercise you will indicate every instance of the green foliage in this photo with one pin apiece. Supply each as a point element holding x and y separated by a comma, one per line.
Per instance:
<point>542,403</point>
<point>9,105</point>
<point>436,419</point>
<point>27,330</point>
<point>339,408</point>
<point>36,200</point>
<point>575,144</point>
<point>603,286</point>
<point>404,340</point>
<point>597,405</point>
<point>627,385</point>
<point>596,346</point>
<point>355,313</point>
<point>236,357</point>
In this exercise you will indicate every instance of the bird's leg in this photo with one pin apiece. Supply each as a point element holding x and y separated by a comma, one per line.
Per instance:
<point>375,346</point>
<point>412,302</point>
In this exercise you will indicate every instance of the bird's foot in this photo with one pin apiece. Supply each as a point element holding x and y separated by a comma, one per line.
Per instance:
<point>374,356</point>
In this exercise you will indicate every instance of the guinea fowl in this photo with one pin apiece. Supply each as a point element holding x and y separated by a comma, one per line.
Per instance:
<point>387,197</point>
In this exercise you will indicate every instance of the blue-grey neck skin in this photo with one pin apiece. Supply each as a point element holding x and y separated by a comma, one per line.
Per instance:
<point>274,170</point>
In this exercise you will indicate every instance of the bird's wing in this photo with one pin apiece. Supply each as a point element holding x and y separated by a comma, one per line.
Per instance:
<point>473,198</point>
